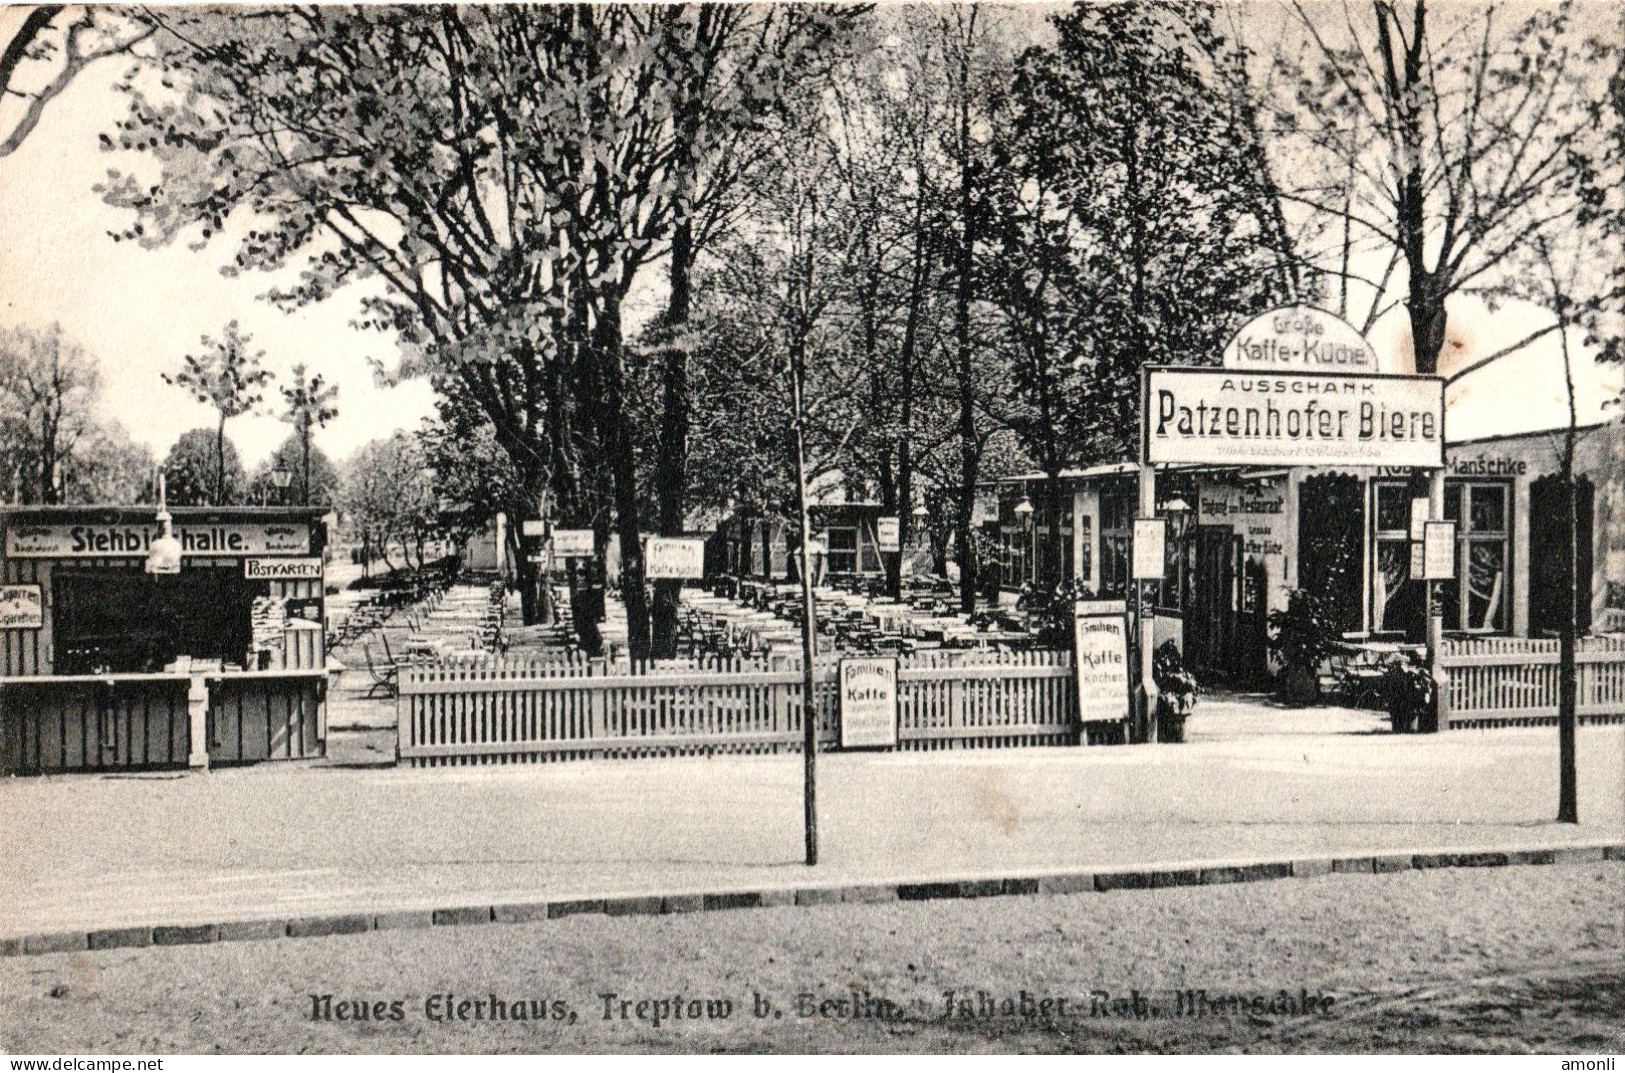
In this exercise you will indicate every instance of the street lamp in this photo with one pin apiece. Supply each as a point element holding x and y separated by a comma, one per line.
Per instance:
<point>281,476</point>
<point>1024,512</point>
<point>164,553</point>
<point>1179,517</point>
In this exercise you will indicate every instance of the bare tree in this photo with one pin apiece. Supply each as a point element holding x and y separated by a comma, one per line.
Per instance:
<point>47,386</point>
<point>1434,139</point>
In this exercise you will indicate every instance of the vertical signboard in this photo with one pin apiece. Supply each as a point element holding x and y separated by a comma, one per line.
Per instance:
<point>1150,549</point>
<point>1439,551</point>
<point>1100,636</point>
<point>868,703</point>
<point>889,533</point>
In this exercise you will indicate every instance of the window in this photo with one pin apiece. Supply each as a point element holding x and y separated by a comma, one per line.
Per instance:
<point>842,542</point>
<point>1116,538</point>
<point>1476,602</point>
<point>111,620</point>
<point>1398,602</point>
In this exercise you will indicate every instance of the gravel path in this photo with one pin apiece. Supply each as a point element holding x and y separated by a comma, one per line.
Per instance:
<point>1476,960</point>
<point>293,840</point>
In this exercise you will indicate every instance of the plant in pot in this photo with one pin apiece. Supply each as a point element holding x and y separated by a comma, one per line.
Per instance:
<point>1412,696</point>
<point>1176,692</point>
<point>1300,636</point>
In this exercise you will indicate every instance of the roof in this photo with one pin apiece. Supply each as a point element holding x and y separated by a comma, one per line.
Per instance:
<point>110,513</point>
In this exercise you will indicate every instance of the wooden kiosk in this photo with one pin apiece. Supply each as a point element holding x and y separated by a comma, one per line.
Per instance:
<point>131,642</point>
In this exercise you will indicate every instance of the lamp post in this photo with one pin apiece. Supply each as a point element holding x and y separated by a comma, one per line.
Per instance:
<point>1024,517</point>
<point>281,477</point>
<point>1180,516</point>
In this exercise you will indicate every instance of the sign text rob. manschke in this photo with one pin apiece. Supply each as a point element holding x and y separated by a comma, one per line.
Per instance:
<point>1226,417</point>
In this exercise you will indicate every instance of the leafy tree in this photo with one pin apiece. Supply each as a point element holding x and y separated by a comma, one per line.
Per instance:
<point>387,496</point>
<point>291,455</point>
<point>50,45</point>
<point>107,467</point>
<point>1131,225</point>
<point>203,469</point>
<point>309,405</point>
<point>503,172</point>
<point>227,376</point>
<point>47,386</point>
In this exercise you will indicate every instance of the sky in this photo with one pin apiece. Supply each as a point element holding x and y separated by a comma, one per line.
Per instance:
<point>140,311</point>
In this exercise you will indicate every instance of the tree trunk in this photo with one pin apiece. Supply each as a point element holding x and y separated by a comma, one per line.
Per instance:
<point>304,450</point>
<point>624,476</point>
<point>220,462</point>
<point>671,464</point>
<point>969,460</point>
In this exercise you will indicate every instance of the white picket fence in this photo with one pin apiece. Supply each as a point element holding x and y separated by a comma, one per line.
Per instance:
<point>1512,681</point>
<point>500,711</point>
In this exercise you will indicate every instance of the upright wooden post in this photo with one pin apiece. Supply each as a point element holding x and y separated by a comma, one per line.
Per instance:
<point>1435,594</point>
<point>1145,705</point>
<point>197,718</point>
<point>809,626</point>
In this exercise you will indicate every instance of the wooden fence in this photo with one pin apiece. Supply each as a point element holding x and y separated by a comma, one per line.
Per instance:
<point>489,711</point>
<point>1512,681</point>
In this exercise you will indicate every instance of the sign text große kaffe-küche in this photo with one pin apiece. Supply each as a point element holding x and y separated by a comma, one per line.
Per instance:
<point>1233,417</point>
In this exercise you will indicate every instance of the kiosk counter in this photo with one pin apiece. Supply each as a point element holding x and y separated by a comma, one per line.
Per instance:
<point>105,665</point>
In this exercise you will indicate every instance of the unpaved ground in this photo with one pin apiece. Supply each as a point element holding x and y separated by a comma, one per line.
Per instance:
<point>1474,960</point>
<point>292,840</point>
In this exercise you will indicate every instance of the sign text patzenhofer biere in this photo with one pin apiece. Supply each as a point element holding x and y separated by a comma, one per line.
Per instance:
<point>1229,417</point>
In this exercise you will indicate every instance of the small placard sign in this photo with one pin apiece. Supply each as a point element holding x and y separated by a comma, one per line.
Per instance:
<point>1420,513</point>
<point>868,703</point>
<point>1418,561</point>
<point>573,543</point>
<point>673,558</point>
<point>1150,551</point>
<point>301,569</point>
<point>1439,551</point>
<point>22,607</point>
<point>889,533</point>
<point>533,527</point>
<point>1101,643</point>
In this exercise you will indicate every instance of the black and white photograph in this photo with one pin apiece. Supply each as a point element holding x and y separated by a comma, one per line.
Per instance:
<point>785,528</point>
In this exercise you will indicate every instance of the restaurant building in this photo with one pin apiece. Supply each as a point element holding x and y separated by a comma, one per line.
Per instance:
<point>763,548</point>
<point>1243,538</point>
<point>128,641</point>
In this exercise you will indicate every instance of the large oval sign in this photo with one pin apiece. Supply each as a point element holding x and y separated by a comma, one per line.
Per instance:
<point>1300,339</point>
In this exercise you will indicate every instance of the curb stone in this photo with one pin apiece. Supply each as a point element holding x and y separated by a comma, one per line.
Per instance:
<point>1068,882</point>
<point>315,927</point>
<point>117,938</point>
<point>186,934</point>
<point>237,930</point>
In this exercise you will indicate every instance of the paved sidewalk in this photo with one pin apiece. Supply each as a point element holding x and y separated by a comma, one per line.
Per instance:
<point>284,841</point>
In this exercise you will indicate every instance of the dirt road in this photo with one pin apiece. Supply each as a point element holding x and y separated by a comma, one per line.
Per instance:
<point>1481,960</point>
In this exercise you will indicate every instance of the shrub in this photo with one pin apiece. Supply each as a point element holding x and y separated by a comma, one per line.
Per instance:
<point>1300,636</point>
<point>1176,692</point>
<point>1412,696</point>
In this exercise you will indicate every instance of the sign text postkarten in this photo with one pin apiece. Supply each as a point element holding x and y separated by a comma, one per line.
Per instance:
<point>1227,417</point>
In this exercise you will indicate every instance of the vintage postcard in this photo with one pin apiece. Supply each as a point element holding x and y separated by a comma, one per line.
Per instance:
<point>781,527</point>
